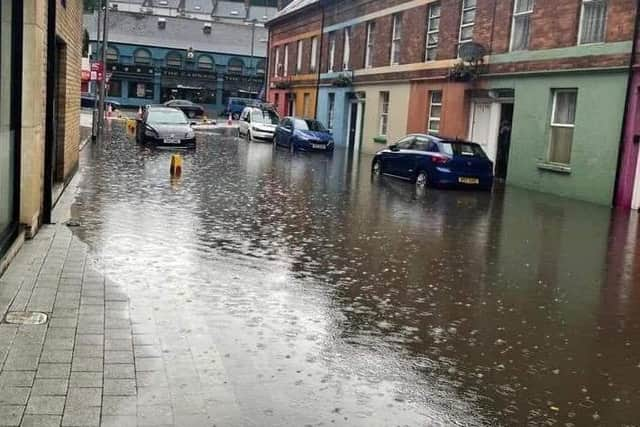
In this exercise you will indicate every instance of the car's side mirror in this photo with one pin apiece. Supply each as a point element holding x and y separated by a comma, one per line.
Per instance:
<point>394,147</point>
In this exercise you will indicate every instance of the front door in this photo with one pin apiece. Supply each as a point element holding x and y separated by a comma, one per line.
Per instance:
<point>504,141</point>
<point>484,126</point>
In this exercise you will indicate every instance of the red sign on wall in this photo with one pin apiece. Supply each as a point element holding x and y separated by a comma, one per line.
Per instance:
<point>97,71</point>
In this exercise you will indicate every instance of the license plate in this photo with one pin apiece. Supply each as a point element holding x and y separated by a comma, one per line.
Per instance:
<point>318,146</point>
<point>468,180</point>
<point>171,141</point>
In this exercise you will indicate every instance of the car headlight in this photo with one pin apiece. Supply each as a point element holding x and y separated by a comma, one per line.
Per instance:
<point>150,132</point>
<point>189,135</point>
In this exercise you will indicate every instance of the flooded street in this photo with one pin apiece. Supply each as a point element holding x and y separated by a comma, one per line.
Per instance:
<point>295,290</point>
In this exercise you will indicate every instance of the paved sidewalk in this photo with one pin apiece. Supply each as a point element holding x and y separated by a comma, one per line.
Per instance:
<point>93,363</point>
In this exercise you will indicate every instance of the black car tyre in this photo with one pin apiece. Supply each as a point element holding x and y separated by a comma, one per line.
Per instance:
<point>422,179</point>
<point>377,168</point>
<point>248,136</point>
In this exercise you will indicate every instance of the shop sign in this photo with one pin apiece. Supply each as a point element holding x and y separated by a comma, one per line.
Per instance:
<point>188,74</point>
<point>97,71</point>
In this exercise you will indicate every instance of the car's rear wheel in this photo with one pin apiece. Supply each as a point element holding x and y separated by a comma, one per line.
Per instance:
<point>422,179</point>
<point>377,168</point>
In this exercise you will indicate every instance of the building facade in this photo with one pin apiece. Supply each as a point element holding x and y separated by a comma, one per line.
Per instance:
<point>540,85</point>
<point>40,61</point>
<point>152,59</point>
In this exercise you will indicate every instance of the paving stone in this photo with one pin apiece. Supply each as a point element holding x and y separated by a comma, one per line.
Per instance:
<point>46,405</point>
<point>121,421</point>
<point>61,332</point>
<point>149,364</point>
<point>152,379</point>
<point>11,414</point>
<point>90,339</point>
<point>23,358</point>
<point>119,405</point>
<point>145,339</point>
<point>30,420</point>
<point>149,396</point>
<point>88,351</point>
<point>59,343</point>
<point>193,420</point>
<point>56,356</point>
<point>12,395</point>
<point>81,417</point>
<point>17,378</point>
<point>50,387</point>
<point>119,371</point>
<point>85,379</point>
<point>53,370</point>
<point>78,397</point>
<point>87,364</point>
<point>119,387</point>
<point>155,415</point>
<point>118,334</point>
<point>118,344</point>
<point>142,351</point>
<point>118,356</point>
<point>63,322</point>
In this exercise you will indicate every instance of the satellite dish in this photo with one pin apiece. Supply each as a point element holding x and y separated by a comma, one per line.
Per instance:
<point>472,52</point>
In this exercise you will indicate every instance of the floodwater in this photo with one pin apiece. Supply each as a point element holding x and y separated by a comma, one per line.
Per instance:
<point>330,298</point>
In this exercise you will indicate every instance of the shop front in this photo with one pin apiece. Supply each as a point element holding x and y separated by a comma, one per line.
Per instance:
<point>200,87</point>
<point>131,85</point>
<point>10,89</point>
<point>241,86</point>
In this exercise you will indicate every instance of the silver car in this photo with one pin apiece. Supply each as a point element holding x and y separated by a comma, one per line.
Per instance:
<point>258,124</point>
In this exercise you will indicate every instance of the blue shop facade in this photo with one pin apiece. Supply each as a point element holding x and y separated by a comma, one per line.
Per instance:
<point>141,75</point>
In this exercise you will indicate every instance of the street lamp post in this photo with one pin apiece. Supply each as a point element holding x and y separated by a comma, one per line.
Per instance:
<point>103,58</point>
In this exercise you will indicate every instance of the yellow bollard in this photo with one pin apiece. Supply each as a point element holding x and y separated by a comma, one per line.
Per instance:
<point>131,127</point>
<point>176,166</point>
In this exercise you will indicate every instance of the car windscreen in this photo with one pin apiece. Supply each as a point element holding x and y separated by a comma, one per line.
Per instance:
<point>166,117</point>
<point>265,117</point>
<point>312,125</point>
<point>462,149</point>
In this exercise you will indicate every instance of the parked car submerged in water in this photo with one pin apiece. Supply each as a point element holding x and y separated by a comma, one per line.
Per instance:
<point>429,160</point>
<point>303,134</point>
<point>187,107</point>
<point>258,124</point>
<point>164,127</point>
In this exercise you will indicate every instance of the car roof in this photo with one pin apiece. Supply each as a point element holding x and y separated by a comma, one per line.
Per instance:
<point>441,139</point>
<point>161,108</point>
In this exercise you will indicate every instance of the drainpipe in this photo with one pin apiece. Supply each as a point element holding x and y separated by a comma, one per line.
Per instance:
<point>319,60</point>
<point>627,109</point>
<point>49,146</point>
<point>267,77</point>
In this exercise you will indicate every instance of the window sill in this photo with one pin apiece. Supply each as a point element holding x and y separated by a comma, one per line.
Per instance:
<point>554,167</point>
<point>380,139</point>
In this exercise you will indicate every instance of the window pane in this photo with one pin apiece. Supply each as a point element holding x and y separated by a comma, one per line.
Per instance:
<point>466,33</point>
<point>560,149</point>
<point>433,39</point>
<point>432,54</point>
<point>436,110</point>
<point>523,6</point>
<point>565,108</point>
<point>593,21</point>
<point>469,3</point>
<point>469,16</point>
<point>521,30</point>
<point>434,126</point>
<point>436,97</point>
<point>434,24</point>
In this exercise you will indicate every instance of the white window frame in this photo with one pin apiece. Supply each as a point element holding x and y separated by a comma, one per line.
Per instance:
<point>383,122</point>
<point>332,52</point>
<point>553,124</point>
<point>286,61</point>
<point>580,27</point>
<point>517,15</point>
<point>277,70</point>
<point>432,31</point>
<point>368,52</point>
<point>299,46</point>
<point>463,25</point>
<point>331,110</point>
<point>314,54</point>
<point>431,117</point>
<point>346,52</point>
<point>396,39</point>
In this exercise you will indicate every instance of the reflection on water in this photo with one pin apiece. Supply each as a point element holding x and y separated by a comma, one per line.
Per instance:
<point>343,299</point>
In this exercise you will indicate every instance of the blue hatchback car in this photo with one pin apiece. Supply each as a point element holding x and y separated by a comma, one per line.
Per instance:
<point>303,134</point>
<point>429,160</point>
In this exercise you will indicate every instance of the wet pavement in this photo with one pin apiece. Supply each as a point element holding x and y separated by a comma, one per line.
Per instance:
<point>283,289</point>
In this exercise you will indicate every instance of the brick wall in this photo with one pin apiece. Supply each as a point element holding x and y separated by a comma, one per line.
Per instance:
<point>69,31</point>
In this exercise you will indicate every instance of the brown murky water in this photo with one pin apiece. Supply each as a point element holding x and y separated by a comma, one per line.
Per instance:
<point>336,299</point>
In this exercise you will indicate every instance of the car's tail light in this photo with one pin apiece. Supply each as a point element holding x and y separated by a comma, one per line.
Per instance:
<point>440,160</point>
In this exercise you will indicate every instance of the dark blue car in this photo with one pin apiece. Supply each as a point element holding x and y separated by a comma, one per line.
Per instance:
<point>429,160</point>
<point>304,135</point>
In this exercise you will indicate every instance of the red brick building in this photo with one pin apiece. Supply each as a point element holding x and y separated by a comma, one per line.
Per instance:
<point>527,79</point>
